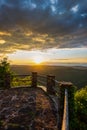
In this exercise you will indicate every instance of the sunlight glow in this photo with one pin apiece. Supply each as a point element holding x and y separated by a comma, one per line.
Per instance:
<point>38,59</point>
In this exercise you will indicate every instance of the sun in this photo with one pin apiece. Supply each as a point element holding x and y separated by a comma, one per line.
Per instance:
<point>38,59</point>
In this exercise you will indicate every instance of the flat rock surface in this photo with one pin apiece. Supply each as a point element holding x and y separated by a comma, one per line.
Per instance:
<point>26,109</point>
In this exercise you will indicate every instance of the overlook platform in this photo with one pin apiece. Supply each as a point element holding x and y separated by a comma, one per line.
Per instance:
<point>34,108</point>
<point>27,108</point>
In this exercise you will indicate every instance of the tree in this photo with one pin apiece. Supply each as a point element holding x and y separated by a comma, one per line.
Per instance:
<point>5,73</point>
<point>4,65</point>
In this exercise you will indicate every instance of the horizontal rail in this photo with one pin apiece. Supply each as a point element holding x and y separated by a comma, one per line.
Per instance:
<point>22,80</point>
<point>42,76</point>
<point>65,123</point>
<point>21,75</point>
<point>56,81</point>
<point>41,82</point>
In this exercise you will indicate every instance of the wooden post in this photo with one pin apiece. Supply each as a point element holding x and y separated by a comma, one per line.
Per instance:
<point>50,84</point>
<point>34,79</point>
<point>7,81</point>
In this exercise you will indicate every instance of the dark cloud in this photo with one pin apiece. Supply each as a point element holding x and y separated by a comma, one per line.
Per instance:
<point>41,24</point>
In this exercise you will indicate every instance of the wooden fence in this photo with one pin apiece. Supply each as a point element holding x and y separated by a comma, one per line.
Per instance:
<point>49,82</point>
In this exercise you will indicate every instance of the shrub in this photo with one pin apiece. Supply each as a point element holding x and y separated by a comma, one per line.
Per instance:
<point>81,108</point>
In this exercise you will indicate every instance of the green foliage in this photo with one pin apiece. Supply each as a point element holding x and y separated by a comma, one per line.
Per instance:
<point>8,78</point>
<point>18,81</point>
<point>81,108</point>
<point>5,73</point>
<point>4,66</point>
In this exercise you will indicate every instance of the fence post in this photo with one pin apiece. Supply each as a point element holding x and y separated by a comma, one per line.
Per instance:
<point>50,84</point>
<point>34,79</point>
<point>7,81</point>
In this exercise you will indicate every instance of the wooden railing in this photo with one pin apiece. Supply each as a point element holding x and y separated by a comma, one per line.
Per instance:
<point>53,87</point>
<point>66,105</point>
<point>65,122</point>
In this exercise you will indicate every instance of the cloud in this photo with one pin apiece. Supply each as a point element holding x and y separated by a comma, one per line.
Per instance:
<point>33,24</point>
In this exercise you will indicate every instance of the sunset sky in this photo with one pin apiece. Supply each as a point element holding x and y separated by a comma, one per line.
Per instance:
<point>46,31</point>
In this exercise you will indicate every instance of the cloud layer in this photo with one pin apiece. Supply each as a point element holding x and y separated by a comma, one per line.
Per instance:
<point>41,24</point>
